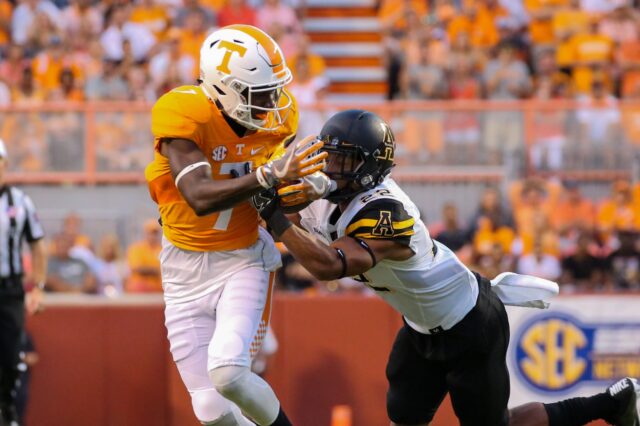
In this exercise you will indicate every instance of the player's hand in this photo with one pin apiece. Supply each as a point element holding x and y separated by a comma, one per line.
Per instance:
<point>310,188</point>
<point>266,203</point>
<point>33,301</point>
<point>300,159</point>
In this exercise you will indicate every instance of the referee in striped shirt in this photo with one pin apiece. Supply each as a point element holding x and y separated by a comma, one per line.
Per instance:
<point>18,222</point>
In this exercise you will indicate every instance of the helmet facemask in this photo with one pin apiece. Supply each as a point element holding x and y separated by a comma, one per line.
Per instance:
<point>253,101</point>
<point>350,167</point>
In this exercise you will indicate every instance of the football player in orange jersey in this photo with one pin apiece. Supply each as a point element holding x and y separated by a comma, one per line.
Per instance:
<point>217,264</point>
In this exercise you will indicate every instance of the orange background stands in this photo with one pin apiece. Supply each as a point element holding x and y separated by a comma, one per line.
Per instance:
<point>107,363</point>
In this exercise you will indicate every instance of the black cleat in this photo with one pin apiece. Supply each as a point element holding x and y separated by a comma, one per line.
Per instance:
<point>626,393</point>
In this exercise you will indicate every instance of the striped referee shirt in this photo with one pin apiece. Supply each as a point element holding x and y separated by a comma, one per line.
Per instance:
<point>18,222</point>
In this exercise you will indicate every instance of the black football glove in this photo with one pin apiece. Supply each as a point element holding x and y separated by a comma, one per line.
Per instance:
<point>267,203</point>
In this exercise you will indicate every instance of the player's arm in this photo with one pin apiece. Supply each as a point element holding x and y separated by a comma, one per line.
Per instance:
<point>346,256</point>
<point>192,174</point>
<point>350,255</point>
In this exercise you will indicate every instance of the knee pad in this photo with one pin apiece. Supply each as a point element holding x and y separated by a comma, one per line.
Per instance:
<point>252,394</point>
<point>230,380</point>
<point>209,406</point>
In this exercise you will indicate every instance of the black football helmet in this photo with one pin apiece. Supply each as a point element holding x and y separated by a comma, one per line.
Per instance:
<point>364,144</point>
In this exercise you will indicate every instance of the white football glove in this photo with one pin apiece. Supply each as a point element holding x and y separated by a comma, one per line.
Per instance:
<point>301,158</point>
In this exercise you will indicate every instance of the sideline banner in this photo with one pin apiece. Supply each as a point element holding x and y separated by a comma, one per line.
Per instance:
<point>577,347</point>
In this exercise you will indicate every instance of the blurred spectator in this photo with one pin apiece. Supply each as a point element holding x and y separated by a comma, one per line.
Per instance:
<point>505,78</point>
<point>424,80</point>
<point>462,128</point>
<point>113,268</point>
<point>487,235</point>
<point>153,16</point>
<point>620,25</point>
<point>494,262</point>
<point>600,129</point>
<point>171,67</point>
<point>72,227</point>
<point>393,14</point>
<point>479,19</point>
<point>582,271</point>
<point>532,198</point>
<point>307,91</point>
<point>236,12</point>
<point>492,207</point>
<point>144,262</point>
<point>569,19</point>
<point>27,14</point>
<point>549,127</point>
<point>592,56</point>
<point>449,232</point>
<point>193,7</point>
<point>398,28</point>
<point>274,11</point>
<point>121,29</point>
<point>50,63</point>
<point>89,58</point>
<point>68,89</point>
<point>573,212</point>
<point>618,213</point>
<point>108,86</point>
<point>66,274</point>
<point>541,25</point>
<point>193,34</point>
<point>27,92</point>
<point>12,65</point>
<point>140,85</point>
<point>539,264</point>
<point>623,264</point>
<point>315,64</point>
<point>464,56</point>
<point>80,18</point>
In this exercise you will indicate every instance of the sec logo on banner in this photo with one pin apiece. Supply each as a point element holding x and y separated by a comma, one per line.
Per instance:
<point>555,351</point>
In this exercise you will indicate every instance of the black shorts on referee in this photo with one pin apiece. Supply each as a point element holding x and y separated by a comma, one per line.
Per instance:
<point>468,361</point>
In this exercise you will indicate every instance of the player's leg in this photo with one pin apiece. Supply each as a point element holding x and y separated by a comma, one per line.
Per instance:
<point>617,405</point>
<point>190,326</point>
<point>416,386</point>
<point>478,379</point>
<point>242,317</point>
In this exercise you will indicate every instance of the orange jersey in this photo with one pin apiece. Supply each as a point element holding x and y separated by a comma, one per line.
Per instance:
<point>186,113</point>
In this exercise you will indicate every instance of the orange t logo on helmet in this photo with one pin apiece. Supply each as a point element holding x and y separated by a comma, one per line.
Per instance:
<point>231,47</point>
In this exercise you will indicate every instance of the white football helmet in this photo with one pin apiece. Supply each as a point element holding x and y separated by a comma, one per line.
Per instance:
<point>243,69</point>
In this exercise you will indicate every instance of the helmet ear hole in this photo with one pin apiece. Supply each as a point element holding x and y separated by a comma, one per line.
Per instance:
<point>366,181</point>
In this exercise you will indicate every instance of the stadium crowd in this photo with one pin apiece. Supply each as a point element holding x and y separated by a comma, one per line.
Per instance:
<point>119,50</point>
<point>538,227</point>
<point>511,49</point>
<point>435,49</point>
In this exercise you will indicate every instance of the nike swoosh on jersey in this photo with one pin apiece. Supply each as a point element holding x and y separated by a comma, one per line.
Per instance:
<point>256,150</point>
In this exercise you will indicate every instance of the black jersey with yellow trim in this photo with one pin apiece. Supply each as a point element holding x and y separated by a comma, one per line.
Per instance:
<point>382,219</point>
